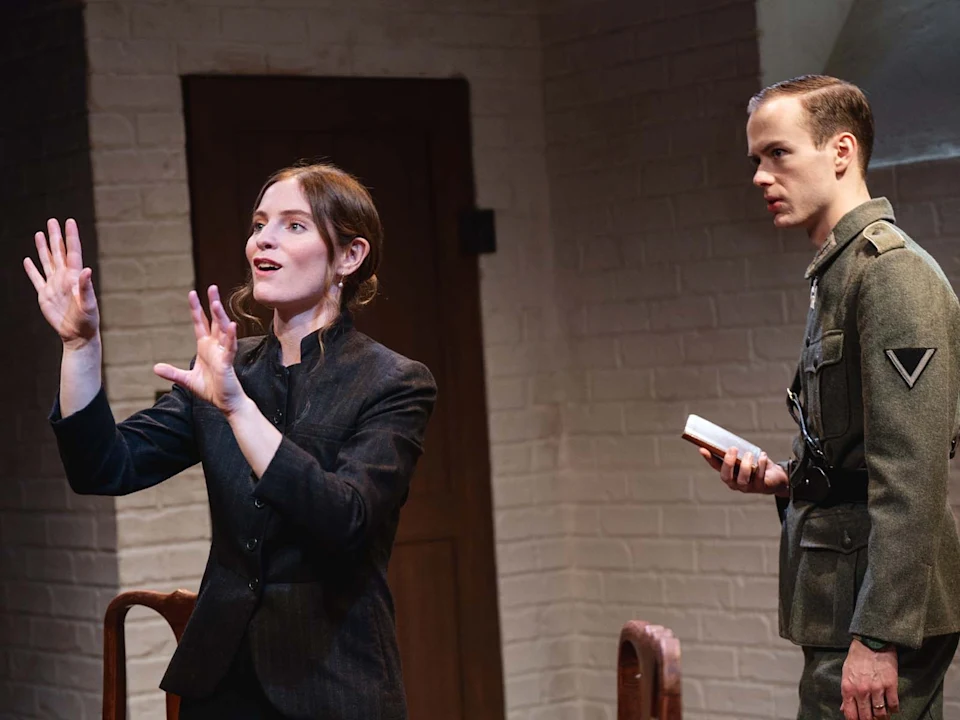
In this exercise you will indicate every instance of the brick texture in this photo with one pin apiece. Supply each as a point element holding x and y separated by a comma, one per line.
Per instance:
<point>59,566</point>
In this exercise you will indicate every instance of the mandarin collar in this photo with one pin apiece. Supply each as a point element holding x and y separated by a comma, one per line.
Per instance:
<point>310,349</point>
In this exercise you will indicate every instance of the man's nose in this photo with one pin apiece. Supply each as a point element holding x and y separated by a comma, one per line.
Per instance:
<point>761,178</point>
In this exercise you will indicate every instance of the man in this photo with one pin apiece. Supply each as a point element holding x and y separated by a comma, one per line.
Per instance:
<point>869,554</point>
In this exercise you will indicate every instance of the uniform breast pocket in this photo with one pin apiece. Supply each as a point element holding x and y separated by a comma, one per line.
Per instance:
<point>825,380</point>
<point>832,564</point>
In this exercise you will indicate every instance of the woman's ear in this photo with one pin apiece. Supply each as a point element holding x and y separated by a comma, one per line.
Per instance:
<point>353,256</point>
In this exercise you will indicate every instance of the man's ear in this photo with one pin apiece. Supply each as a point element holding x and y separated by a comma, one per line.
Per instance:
<point>846,152</point>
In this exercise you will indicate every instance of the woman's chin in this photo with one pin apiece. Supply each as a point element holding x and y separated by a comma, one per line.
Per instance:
<point>265,298</point>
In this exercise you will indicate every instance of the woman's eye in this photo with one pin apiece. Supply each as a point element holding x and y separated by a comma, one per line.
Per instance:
<point>257,226</point>
<point>296,227</point>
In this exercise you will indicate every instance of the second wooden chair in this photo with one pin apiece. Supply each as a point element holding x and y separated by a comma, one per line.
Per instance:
<point>648,673</point>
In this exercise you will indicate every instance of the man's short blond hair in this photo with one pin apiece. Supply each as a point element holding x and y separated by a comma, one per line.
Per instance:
<point>832,106</point>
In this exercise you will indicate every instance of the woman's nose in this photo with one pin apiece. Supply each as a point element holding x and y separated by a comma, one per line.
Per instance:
<point>266,237</point>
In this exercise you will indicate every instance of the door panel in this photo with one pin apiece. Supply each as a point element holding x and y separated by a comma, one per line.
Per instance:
<point>413,153</point>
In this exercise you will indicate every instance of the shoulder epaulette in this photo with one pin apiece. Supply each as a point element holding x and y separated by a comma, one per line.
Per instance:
<point>883,236</point>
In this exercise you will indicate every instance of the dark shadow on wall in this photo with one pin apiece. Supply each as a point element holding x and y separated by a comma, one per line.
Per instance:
<point>58,562</point>
<point>905,55</point>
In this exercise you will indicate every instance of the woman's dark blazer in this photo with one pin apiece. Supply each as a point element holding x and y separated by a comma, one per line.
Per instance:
<point>298,559</point>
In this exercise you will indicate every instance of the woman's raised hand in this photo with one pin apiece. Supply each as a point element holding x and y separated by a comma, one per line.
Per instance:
<point>65,287</point>
<point>212,377</point>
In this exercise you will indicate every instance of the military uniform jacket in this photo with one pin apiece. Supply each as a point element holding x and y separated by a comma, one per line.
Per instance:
<point>880,378</point>
<point>298,560</point>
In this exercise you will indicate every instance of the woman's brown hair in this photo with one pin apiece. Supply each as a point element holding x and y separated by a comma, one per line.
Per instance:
<point>342,210</point>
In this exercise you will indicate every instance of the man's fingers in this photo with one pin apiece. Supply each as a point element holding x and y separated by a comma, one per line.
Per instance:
<point>849,708</point>
<point>746,470</point>
<point>711,459</point>
<point>726,470</point>
<point>893,699</point>
<point>863,706</point>
<point>879,705</point>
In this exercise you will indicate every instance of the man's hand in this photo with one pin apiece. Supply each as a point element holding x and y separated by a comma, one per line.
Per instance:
<point>764,477</point>
<point>868,684</point>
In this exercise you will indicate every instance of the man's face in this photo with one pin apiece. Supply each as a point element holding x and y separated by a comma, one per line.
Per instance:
<point>798,180</point>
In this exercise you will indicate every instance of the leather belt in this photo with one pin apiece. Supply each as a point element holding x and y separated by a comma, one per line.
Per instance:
<point>845,486</point>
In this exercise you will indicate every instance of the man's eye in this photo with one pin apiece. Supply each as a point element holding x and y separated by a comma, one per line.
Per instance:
<point>779,153</point>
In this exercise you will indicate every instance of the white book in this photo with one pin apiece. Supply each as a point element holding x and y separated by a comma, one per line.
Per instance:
<point>717,440</point>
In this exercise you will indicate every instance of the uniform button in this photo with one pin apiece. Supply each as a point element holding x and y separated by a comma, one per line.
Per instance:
<point>847,541</point>
<point>253,584</point>
<point>251,544</point>
<point>258,503</point>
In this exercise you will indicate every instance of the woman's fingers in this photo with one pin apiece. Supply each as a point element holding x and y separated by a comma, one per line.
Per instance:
<point>74,252</point>
<point>226,337</point>
<point>43,252</point>
<point>35,277</point>
<point>173,374</point>
<point>216,325</point>
<point>56,244</point>
<point>201,326</point>
<point>88,298</point>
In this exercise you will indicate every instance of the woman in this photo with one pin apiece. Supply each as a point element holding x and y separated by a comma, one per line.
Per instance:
<point>307,436</point>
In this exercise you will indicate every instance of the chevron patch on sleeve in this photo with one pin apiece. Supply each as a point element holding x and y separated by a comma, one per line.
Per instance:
<point>910,362</point>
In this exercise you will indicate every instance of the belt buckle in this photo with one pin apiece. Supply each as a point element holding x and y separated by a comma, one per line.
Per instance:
<point>814,484</point>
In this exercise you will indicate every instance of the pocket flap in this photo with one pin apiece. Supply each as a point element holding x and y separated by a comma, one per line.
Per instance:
<point>842,532</point>
<point>828,350</point>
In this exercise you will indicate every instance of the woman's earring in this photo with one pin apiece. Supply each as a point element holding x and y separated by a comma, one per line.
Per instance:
<point>340,284</point>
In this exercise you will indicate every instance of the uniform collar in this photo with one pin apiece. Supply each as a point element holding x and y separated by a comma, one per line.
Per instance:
<point>850,225</point>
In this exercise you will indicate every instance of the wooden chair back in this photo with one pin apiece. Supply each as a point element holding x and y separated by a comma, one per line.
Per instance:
<point>175,608</point>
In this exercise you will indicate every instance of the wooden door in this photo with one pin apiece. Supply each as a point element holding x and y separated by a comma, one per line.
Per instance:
<point>409,142</point>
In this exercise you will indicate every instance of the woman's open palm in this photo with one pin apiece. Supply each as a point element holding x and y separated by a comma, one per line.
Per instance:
<point>212,377</point>
<point>65,287</point>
